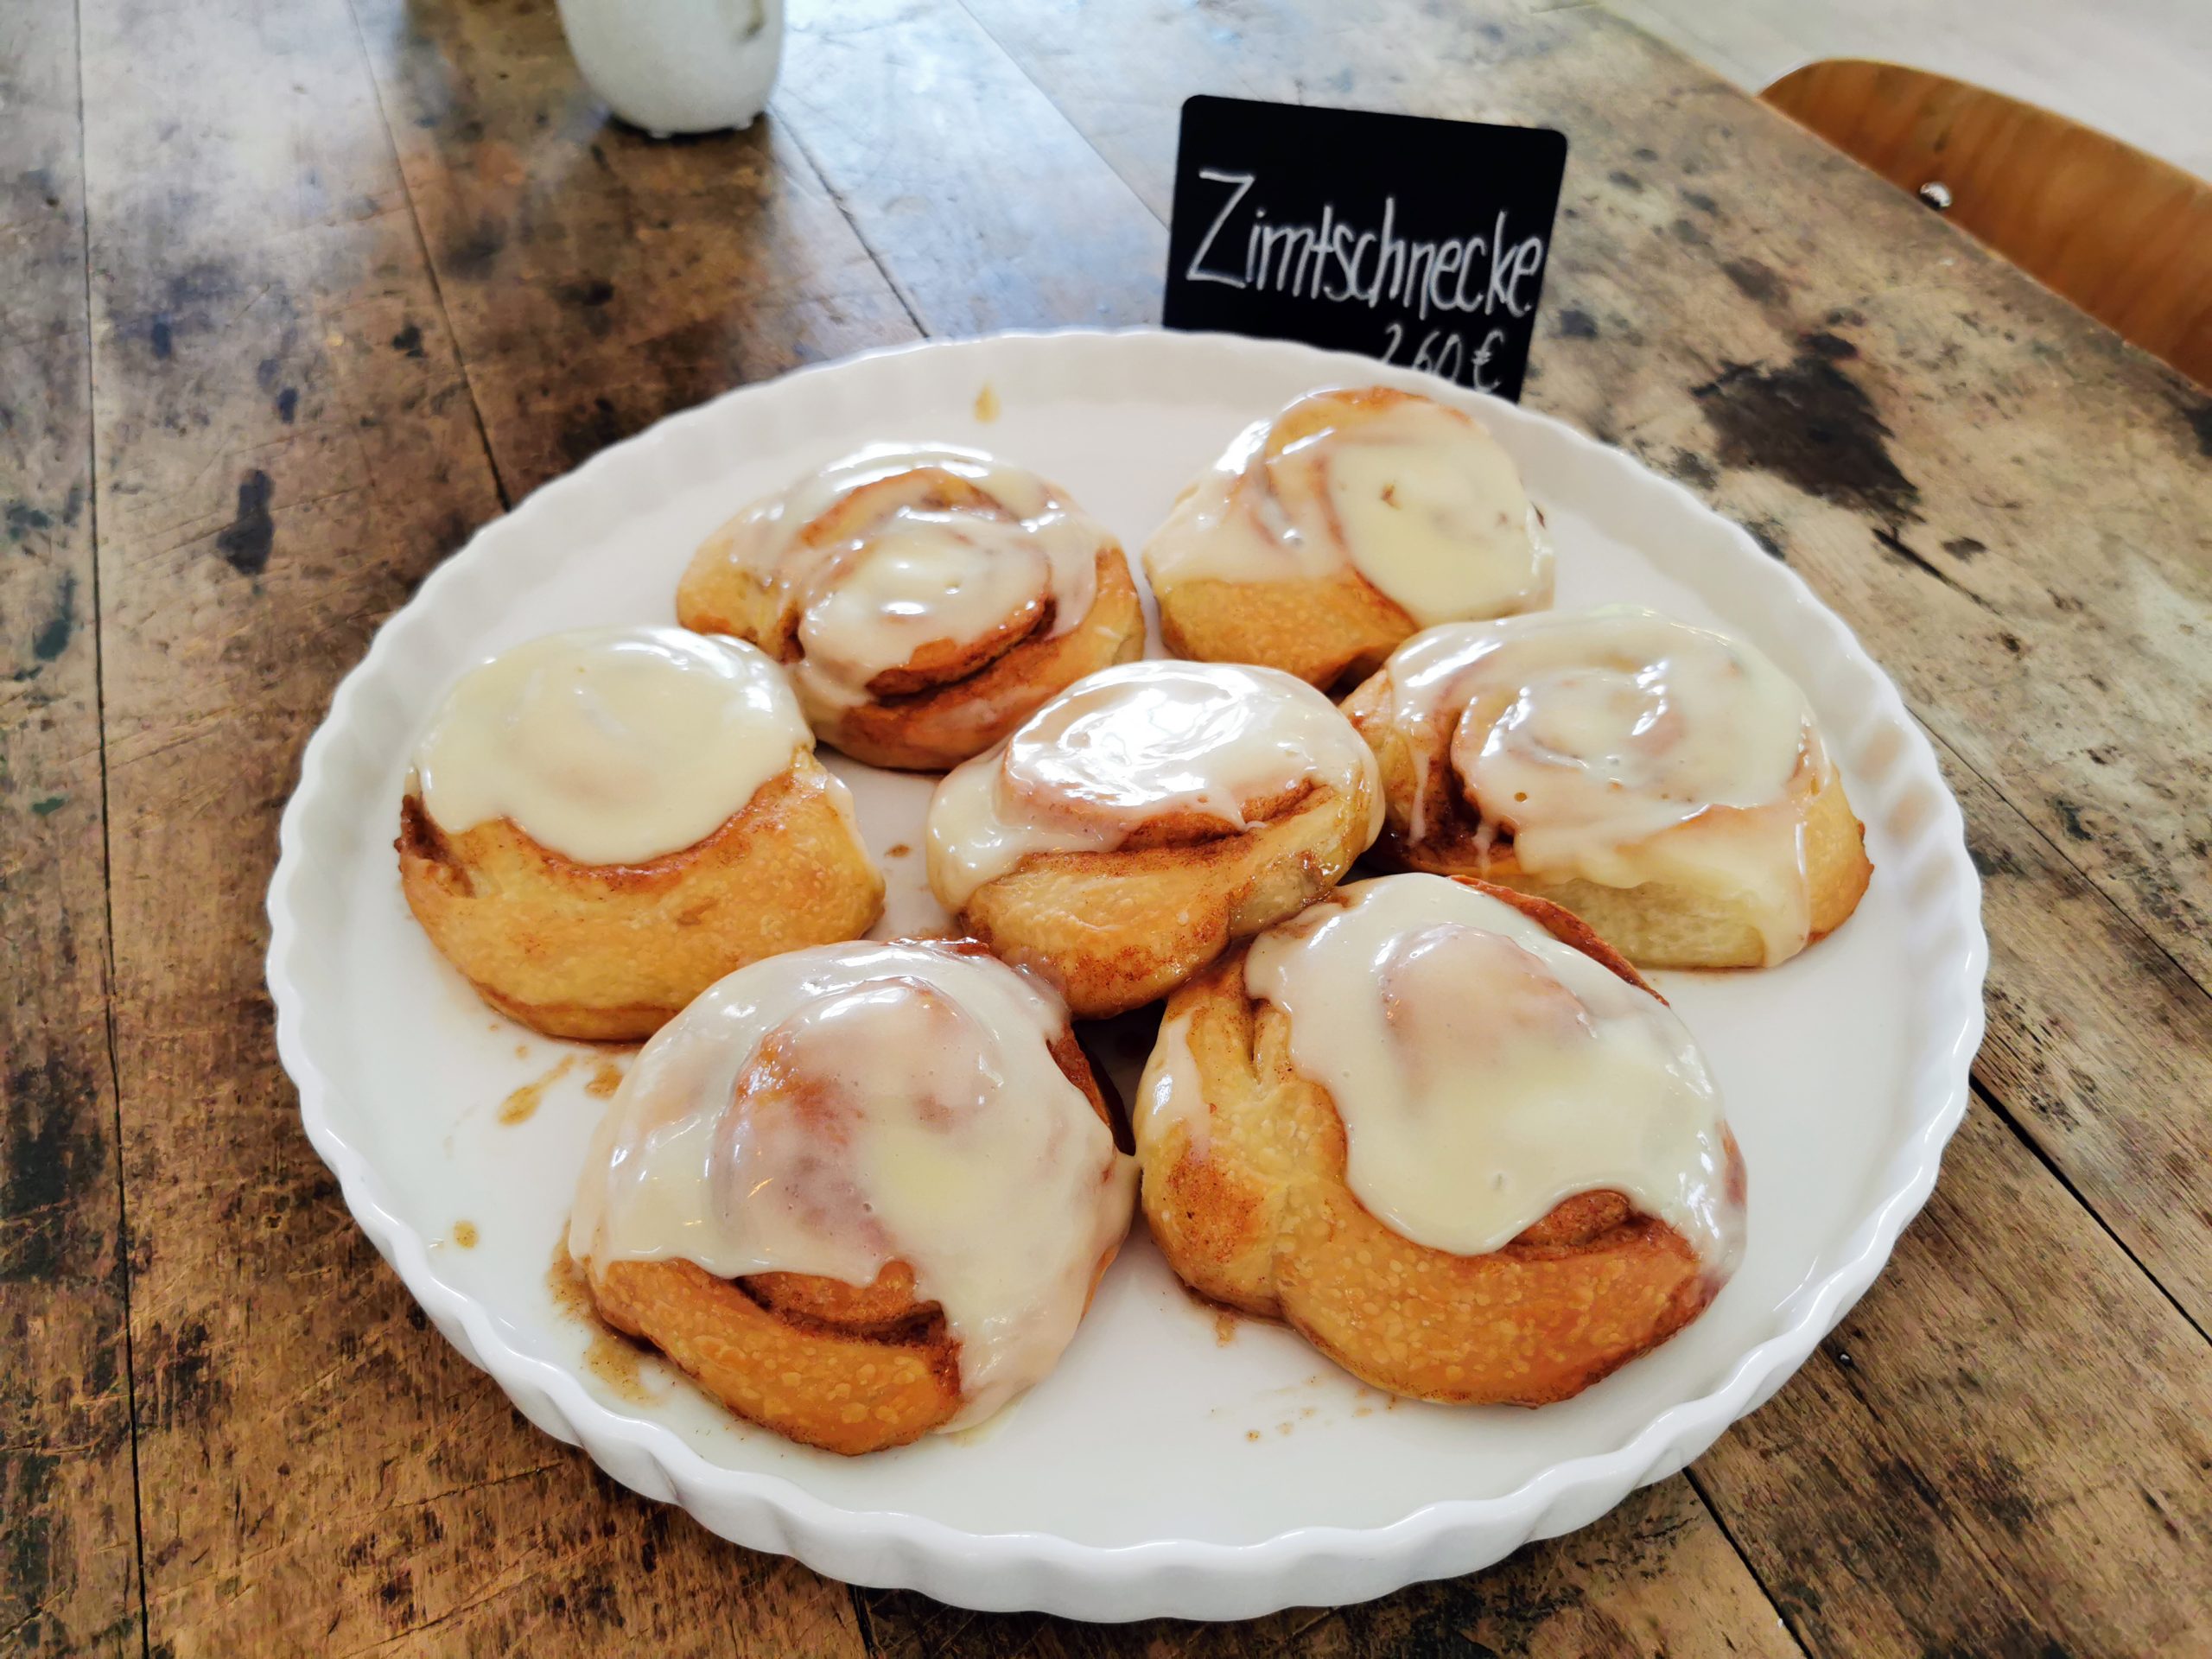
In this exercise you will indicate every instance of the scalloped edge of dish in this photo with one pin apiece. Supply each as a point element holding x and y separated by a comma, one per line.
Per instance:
<point>1179,1577</point>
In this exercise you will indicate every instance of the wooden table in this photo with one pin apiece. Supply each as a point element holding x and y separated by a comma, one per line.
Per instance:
<point>297,295</point>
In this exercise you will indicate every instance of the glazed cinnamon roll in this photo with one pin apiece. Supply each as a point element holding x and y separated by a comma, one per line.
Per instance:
<point>600,824</point>
<point>1666,784</point>
<point>924,598</point>
<point>1326,535</point>
<point>1132,826</point>
<point>857,1192</point>
<point>1446,1133</point>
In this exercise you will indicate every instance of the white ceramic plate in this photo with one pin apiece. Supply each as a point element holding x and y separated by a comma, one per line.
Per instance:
<point>1172,1465</point>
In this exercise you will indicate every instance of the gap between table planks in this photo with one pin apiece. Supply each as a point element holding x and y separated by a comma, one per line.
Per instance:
<point>288,372</point>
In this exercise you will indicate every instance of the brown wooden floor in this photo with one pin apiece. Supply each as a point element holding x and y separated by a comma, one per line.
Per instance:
<point>299,292</point>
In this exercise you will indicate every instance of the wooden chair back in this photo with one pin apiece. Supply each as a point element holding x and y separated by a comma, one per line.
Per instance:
<point>2123,235</point>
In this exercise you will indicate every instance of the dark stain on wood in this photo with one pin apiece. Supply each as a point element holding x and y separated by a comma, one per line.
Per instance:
<point>2069,817</point>
<point>288,404</point>
<point>245,544</point>
<point>1626,181</point>
<point>2166,1521</point>
<point>1690,234</point>
<point>2198,416</point>
<point>409,341</point>
<point>1577,325</point>
<point>397,1594</point>
<point>179,1382</point>
<point>200,298</point>
<point>1998,1486</point>
<point>1700,200</point>
<point>597,292</point>
<point>1693,468</point>
<point>474,254</point>
<point>596,1599</point>
<point>1755,281</point>
<point>54,636</point>
<point>1810,425</point>
<point>591,430</point>
<point>1964,547</point>
<point>1990,861</point>
<point>1898,1473</point>
<point>1769,534</point>
<point>1903,552</point>
<point>686,366</point>
<point>55,1152</point>
<point>22,518</point>
<point>27,1569</point>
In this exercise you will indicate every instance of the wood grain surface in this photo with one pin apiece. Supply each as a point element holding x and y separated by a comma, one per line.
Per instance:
<point>68,1561</point>
<point>342,279</point>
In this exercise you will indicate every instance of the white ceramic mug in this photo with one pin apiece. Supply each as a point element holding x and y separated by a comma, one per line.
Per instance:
<point>678,66</point>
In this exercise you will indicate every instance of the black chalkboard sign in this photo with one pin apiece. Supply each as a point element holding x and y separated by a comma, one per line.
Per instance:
<point>1416,241</point>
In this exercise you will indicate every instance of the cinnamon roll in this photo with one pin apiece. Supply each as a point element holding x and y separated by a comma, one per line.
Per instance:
<point>924,599</point>
<point>600,824</point>
<point>857,1192</point>
<point>1665,783</point>
<point>1326,535</point>
<point>1134,826</point>
<point>1446,1133</point>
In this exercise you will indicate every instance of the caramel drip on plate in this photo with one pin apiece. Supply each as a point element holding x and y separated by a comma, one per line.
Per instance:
<point>1485,1070</point>
<point>521,1103</point>
<point>610,745</point>
<point>908,561</point>
<point>1619,746</point>
<point>832,1111</point>
<point>1133,748</point>
<point>1416,496</point>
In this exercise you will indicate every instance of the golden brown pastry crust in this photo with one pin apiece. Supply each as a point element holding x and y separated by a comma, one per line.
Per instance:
<point>1259,1216</point>
<point>612,953</point>
<point>848,1368</point>
<point>1655,925</point>
<point>1112,931</point>
<point>844,1388</point>
<point>1324,631</point>
<point>951,702</point>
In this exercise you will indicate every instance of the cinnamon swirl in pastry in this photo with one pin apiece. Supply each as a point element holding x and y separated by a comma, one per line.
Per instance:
<point>1446,1133</point>
<point>924,599</point>
<point>857,1192</point>
<point>1324,537</point>
<point>1665,783</point>
<point>1134,826</point>
<point>600,824</point>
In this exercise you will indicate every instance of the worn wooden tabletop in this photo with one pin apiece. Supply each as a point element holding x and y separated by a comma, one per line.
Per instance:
<point>297,293</point>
